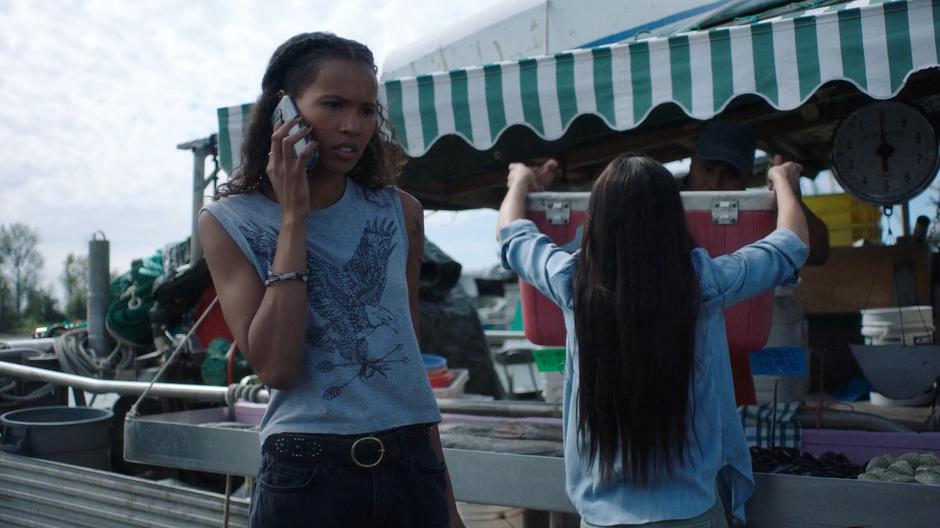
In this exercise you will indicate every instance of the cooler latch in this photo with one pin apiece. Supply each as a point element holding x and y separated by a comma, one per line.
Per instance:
<point>557,213</point>
<point>725,212</point>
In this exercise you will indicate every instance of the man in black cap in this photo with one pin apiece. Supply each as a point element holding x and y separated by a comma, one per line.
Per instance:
<point>724,161</point>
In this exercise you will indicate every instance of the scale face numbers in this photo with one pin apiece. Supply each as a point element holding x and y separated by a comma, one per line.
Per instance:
<point>885,153</point>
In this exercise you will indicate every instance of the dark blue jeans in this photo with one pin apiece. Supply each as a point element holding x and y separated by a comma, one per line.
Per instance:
<point>315,482</point>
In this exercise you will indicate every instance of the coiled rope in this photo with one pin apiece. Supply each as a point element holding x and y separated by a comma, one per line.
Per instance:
<point>76,357</point>
<point>237,391</point>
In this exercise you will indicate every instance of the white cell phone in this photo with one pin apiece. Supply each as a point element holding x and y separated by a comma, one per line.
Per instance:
<point>285,111</point>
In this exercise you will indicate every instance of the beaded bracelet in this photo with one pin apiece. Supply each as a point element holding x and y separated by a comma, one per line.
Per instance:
<point>292,275</point>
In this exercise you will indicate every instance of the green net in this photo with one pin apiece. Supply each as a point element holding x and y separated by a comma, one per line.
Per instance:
<point>132,297</point>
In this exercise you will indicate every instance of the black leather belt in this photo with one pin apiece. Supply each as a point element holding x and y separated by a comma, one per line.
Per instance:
<point>366,451</point>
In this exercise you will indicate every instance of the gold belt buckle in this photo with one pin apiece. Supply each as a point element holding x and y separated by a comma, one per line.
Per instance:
<point>352,452</point>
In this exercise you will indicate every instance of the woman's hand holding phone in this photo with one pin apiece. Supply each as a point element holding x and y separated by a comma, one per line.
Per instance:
<point>288,175</point>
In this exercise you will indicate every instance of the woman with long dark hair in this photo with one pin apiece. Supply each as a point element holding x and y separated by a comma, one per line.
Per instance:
<point>315,255</point>
<point>651,428</point>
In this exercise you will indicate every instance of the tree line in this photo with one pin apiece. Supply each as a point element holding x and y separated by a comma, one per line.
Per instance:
<point>24,302</point>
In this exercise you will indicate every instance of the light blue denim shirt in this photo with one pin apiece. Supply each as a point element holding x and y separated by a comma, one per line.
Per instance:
<point>715,446</point>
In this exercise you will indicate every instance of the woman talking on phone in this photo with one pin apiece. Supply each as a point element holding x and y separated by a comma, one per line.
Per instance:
<point>650,423</point>
<point>315,255</point>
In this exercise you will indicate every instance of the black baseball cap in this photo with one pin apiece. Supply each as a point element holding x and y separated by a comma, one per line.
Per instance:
<point>732,143</point>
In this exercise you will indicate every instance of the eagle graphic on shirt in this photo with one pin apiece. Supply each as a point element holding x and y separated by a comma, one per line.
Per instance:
<point>348,298</point>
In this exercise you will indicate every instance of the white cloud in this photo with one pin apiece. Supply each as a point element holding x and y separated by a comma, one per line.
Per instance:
<point>96,95</point>
<point>469,237</point>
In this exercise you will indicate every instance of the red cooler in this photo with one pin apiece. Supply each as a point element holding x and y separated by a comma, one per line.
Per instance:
<point>721,222</point>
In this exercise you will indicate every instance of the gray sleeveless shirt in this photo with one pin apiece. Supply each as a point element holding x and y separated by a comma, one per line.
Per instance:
<point>361,369</point>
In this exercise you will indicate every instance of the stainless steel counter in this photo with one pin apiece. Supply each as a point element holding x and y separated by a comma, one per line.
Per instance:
<point>189,440</point>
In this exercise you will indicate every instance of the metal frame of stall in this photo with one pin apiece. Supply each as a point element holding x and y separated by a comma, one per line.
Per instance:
<point>198,440</point>
<point>212,440</point>
<point>189,440</point>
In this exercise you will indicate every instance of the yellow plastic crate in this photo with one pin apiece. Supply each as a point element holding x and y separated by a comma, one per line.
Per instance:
<point>847,217</point>
<point>840,210</point>
<point>846,236</point>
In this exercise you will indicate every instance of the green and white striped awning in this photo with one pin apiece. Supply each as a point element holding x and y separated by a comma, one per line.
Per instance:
<point>873,44</point>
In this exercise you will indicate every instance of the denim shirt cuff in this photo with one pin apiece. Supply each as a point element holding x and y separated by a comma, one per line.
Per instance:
<point>795,250</point>
<point>506,234</point>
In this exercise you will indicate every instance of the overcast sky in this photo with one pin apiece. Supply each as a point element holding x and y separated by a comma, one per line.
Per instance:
<point>95,96</point>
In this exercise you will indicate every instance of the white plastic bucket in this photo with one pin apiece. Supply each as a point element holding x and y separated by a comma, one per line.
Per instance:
<point>885,335</point>
<point>894,315</point>
<point>905,325</point>
<point>487,516</point>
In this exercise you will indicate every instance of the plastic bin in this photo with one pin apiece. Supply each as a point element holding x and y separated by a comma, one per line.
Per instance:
<point>73,435</point>
<point>561,217</point>
<point>847,236</point>
<point>902,325</point>
<point>721,222</point>
<point>842,208</point>
<point>550,359</point>
<point>847,218</point>
<point>456,387</point>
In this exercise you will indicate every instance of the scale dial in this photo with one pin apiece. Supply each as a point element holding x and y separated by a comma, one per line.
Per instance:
<point>885,153</point>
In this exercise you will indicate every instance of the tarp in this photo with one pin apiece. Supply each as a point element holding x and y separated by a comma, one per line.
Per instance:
<point>874,44</point>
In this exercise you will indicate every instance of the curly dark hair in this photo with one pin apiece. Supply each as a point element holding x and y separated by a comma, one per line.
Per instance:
<point>293,66</point>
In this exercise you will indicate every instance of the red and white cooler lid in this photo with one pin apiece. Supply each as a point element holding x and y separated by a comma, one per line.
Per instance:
<point>747,200</point>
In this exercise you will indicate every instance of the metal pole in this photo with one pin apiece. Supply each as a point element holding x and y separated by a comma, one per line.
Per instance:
<point>43,344</point>
<point>182,391</point>
<point>217,394</point>
<point>201,149</point>
<point>99,293</point>
<point>906,218</point>
<point>228,501</point>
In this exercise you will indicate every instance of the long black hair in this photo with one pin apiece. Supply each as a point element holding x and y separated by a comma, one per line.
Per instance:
<point>636,300</point>
<point>293,66</point>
